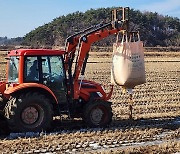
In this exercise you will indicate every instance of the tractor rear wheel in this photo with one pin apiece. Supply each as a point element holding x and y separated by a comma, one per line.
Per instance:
<point>98,113</point>
<point>31,112</point>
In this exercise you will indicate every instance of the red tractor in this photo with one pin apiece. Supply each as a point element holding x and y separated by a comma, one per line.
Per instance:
<point>43,83</point>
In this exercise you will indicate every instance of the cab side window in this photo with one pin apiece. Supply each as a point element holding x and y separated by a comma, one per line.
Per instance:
<point>31,69</point>
<point>57,67</point>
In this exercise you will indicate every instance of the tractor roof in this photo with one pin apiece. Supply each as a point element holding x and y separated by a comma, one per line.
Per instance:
<point>35,52</point>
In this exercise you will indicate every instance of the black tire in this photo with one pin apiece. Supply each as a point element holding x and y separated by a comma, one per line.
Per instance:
<point>4,130</point>
<point>3,101</point>
<point>31,112</point>
<point>97,113</point>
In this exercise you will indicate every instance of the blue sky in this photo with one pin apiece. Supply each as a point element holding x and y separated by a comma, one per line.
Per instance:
<point>18,17</point>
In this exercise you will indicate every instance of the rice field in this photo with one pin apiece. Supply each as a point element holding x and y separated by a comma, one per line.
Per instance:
<point>155,127</point>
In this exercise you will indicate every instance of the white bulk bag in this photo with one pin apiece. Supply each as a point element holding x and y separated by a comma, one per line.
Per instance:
<point>128,68</point>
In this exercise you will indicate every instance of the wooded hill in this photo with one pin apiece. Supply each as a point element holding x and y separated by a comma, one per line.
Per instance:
<point>155,29</point>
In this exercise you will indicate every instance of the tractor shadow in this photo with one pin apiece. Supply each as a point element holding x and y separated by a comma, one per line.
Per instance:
<point>77,125</point>
<point>164,123</point>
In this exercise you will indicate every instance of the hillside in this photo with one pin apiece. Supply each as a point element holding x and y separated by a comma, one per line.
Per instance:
<point>155,29</point>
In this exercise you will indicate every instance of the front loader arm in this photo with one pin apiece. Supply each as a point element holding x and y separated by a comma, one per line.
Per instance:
<point>118,24</point>
<point>84,39</point>
<point>85,45</point>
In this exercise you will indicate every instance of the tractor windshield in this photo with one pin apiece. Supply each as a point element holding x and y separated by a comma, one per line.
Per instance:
<point>13,69</point>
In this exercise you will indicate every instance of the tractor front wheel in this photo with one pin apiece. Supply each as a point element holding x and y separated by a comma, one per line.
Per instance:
<point>31,112</point>
<point>98,113</point>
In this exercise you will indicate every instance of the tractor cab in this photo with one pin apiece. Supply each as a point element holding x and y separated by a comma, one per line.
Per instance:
<point>41,66</point>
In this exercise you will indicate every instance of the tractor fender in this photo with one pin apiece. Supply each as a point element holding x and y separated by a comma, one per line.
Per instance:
<point>84,95</point>
<point>25,86</point>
